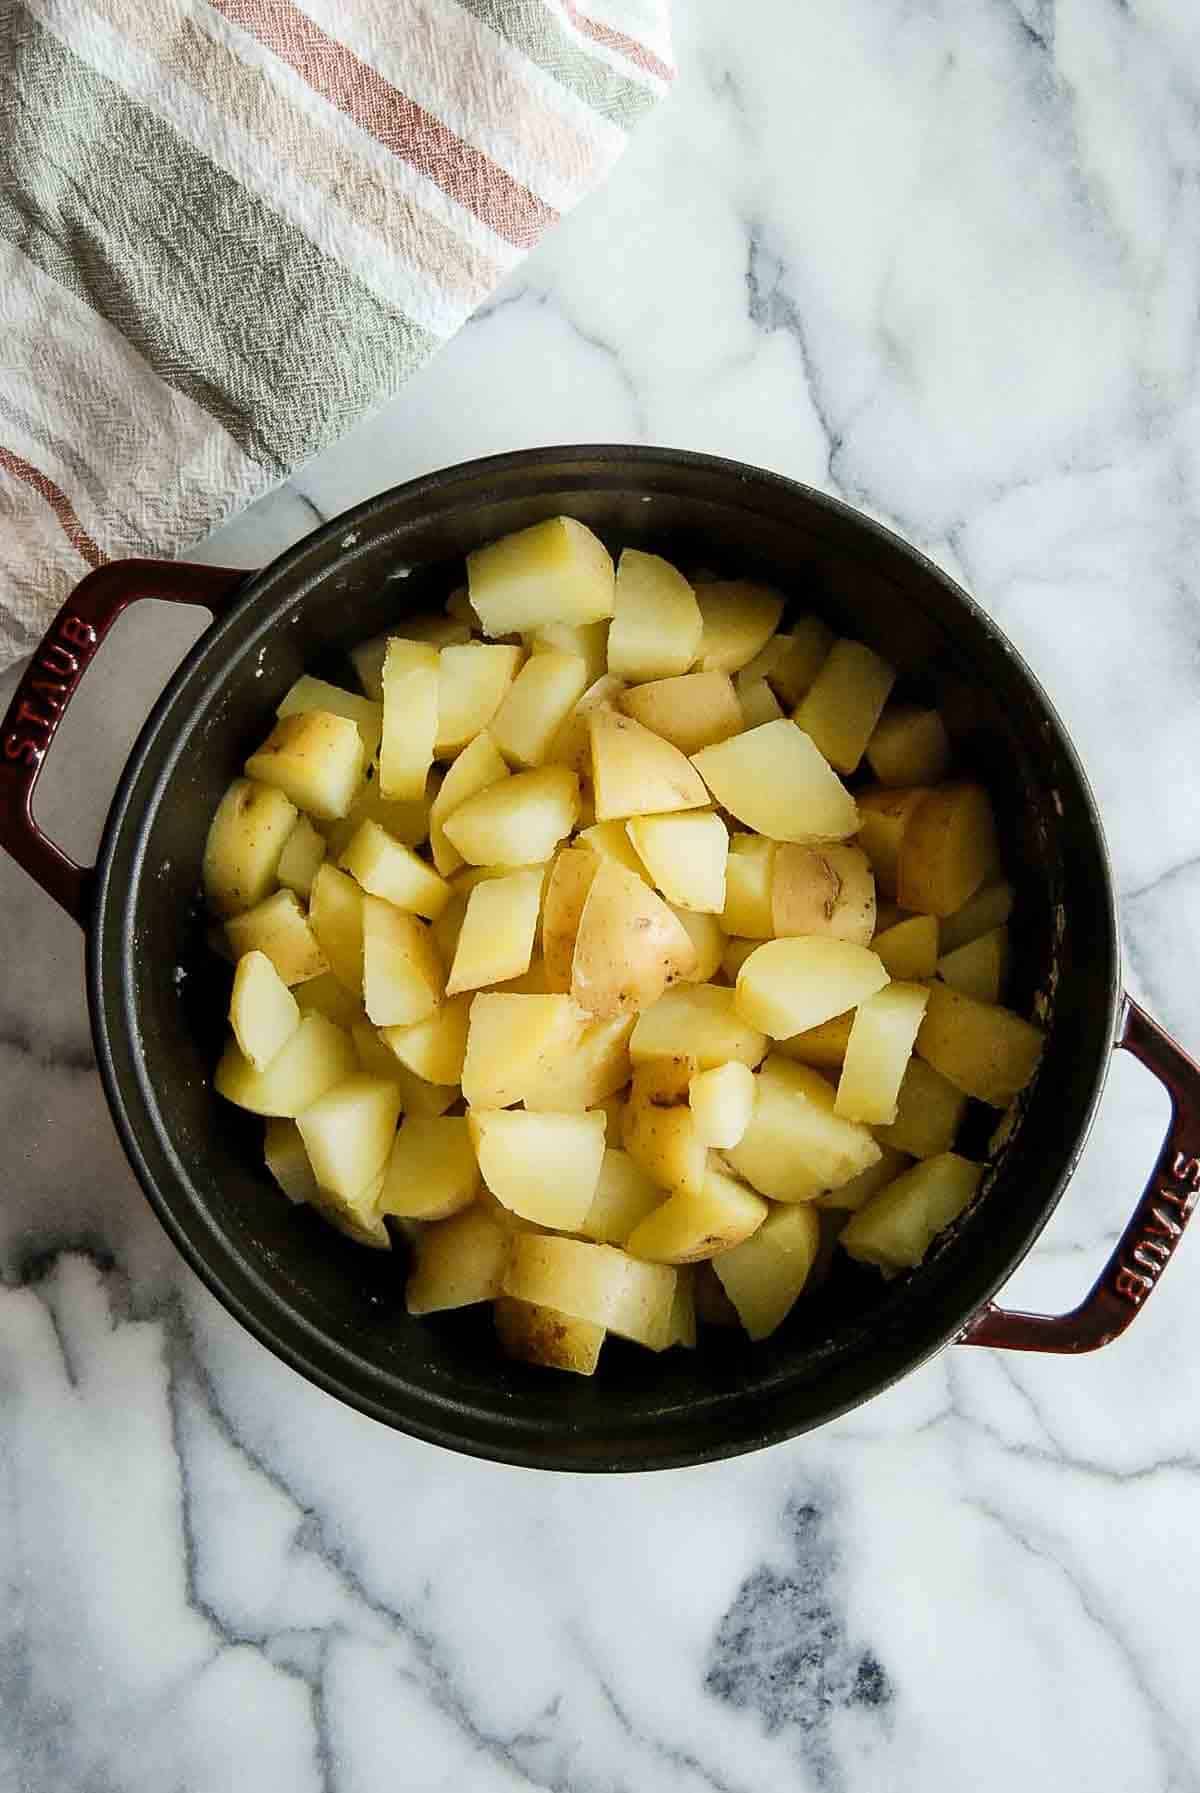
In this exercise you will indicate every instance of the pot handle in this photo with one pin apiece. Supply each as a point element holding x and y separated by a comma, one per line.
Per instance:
<point>1155,1227</point>
<point>51,680</point>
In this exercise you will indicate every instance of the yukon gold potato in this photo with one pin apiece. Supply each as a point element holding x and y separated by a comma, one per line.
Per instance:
<point>262,1010</point>
<point>977,969</point>
<point>436,1047</point>
<point>883,820</point>
<point>567,885</point>
<point>685,856</point>
<point>279,929</point>
<point>553,572</point>
<point>898,1225</point>
<point>403,980</point>
<point>474,679</point>
<point>629,946</point>
<point>597,1066</point>
<point>586,641</point>
<point>795,1145</point>
<point>326,995</point>
<point>823,890</point>
<point>700,1020</point>
<point>879,1048</point>
<point>823,1046</point>
<point>406,821</point>
<point>246,839</point>
<point>624,1196</point>
<point>513,1042</point>
<point>739,618</point>
<point>287,1160</point>
<point>318,1056</point>
<point>989,908</point>
<point>929,1112</point>
<point>984,1050</point>
<point>947,851</point>
<point>410,718</point>
<point>543,695</point>
<point>335,915</point>
<point>692,711</point>
<point>658,1129</point>
<point>479,765</point>
<point>497,934</point>
<point>909,746</point>
<point>572,745</point>
<point>844,703</point>
<point>861,1188</point>
<point>428,1100</point>
<point>433,630</point>
<point>348,1133</point>
<point>518,821</point>
<point>302,853</point>
<point>722,1102</point>
<point>708,939</point>
<point>544,1167</point>
<point>387,868</point>
<point>431,1169</point>
<point>656,626</point>
<point>541,1335</point>
<point>758,703</point>
<point>596,1283</point>
<point>764,1276</point>
<point>689,1227</point>
<point>774,780</point>
<point>789,985</point>
<point>749,882</point>
<point>457,1262</point>
<point>609,840</point>
<point>318,694</point>
<point>315,758</point>
<point>909,948</point>
<point>635,772</point>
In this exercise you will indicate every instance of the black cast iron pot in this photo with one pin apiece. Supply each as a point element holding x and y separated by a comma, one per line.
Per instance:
<point>335,1312</point>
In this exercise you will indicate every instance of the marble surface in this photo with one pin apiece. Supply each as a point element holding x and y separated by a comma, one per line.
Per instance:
<point>945,262</point>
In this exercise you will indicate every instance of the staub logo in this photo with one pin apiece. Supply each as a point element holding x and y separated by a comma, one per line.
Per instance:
<point>45,690</point>
<point>1168,1213</point>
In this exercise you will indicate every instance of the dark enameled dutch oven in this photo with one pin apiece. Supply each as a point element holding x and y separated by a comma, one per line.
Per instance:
<point>336,1312</point>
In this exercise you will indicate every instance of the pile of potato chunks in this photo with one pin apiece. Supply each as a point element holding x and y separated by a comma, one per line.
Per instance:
<point>577,889</point>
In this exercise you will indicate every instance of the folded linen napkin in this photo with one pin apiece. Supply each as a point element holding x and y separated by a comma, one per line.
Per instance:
<point>228,227</point>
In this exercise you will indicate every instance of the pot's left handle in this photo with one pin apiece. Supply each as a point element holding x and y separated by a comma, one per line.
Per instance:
<point>50,681</point>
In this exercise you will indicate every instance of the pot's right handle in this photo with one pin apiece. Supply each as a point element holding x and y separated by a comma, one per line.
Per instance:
<point>49,683</point>
<point>1153,1232</point>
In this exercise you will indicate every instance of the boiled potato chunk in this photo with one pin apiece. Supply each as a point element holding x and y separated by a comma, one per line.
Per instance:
<point>518,821</point>
<point>387,868</point>
<point>303,852</point>
<point>658,1130</point>
<point>790,985</point>
<point>597,1283</point>
<point>598,1066</point>
<point>458,1262</point>
<point>436,1047</point>
<point>545,691</point>
<point>764,1276</point>
<point>929,1112</point>
<point>318,1056</point>
<point>685,856</point>
<point>909,948</point>
<point>624,1196</point>
<point>689,1227</point>
<point>287,1160</point>
<point>279,929</point>
<point>262,1010</point>
<point>898,1225</point>
<point>692,711</point>
<point>572,746</point>
<point>434,630</point>
<point>989,908</point>
<point>544,1167</point>
<point>749,883</point>
<point>739,618</point>
<point>722,1102</point>
<point>431,1171</point>
<point>700,1020</point>
<point>327,995</point>
<point>513,1043</point>
<point>406,821</point>
<point>567,887</point>
<point>790,663</point>
<point>985,1051</point>
<point>586,641</point>
<point>823,890</point>
<point>629,946</point>
<point>541,1335</point>
<point>479,765</point>
<point>656,626</point>
<point>635,772</point>
<point>978,969</point>
<point>553,572</point>
<point>348,1134</point>
<point>845,702</point>
<point>775,780</point>
<point>708,939</point>
<point>410,718</point>
<point>246,840</point>
<point>335,914</point>
<point>884,817</point>
<point>496,940</point>
<point>317,694</point>
<point>795,1145</point>
<point>608,840</point>
<point>474,679</point>
<point>909,746</point>
<point>947,851</point>
<point>824,1046</point>
<point>861,1188</point>
<point>758,702</point>
<point>315,758</point>
<point>356,1217</point>
<point>880,1046</point>
<point>403,980</point>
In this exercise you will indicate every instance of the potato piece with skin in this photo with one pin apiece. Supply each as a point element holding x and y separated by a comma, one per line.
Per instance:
<point>246,839</point>
<point>543,1336</point>
<point>706,936</point>
<point>823,1046</point>
<point>518,821</point>
<point>403,980</point>
<point>688,1228</point>
<point>609,840</point>
<point>624,1196</point>
<point>318,694</point>
<point>691,711</point>
<point>823,890</point>
<point>635,772</point>
<point>629,946</point>
<point>759,704</point>
<point>544,1167</point>
<point>929,1112</point>
<point>909,948</point>
<point>513,1043</point>
<point>262,1010</point>
<point>796,1146</point>
<point>586,641</point>
<point>861,1188</point>
<point>572,745</point>
<point>433,1049</point>
<point>410,718</point>
<point>496,940</point>
<point>722,1102</point>
<point>552,572</point>
<point>685,856</point>
<point>883,820</point>
<point>739,618</point>
<point>458,1262</point>
<point>303,852</point>
<point>348,1134</point>
<point>989,908</point>
<point>335,914</point>
<point>984,1050</point>
<point>287,1160</point>
<point>844,703</point>
<point>658,1129</point>
<point>318,1056</point>
<point>895,1229</point>
<point>774,780</point>
<point>598,1066</point>
<point>979,968</point>
<point>947,851</point>
<point>479,765</point>
<point>878,1051</point>
<point>567,886</point>
<point>910,746</point>
<point>656,626</point>
<point>597,1283</point>
<point>387,868</point>
<point>355,1218</point>
<point>765,1275</point>
<point>749,880</point>
<point>700,1020</point>
<point>790,985</point>
<point>543,695</point>
<point>315,758</point>
<point>280,930</point>
<point>431,1170</point>
<point>474,679</point>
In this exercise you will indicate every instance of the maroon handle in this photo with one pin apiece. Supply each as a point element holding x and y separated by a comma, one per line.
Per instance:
<point>1155,1227</point>
<point>51,679</point>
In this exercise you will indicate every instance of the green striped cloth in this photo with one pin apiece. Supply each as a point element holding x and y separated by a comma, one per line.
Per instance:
<point>228,227</point>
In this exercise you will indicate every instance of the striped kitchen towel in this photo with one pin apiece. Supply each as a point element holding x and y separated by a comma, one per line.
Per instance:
<point>229,227</point>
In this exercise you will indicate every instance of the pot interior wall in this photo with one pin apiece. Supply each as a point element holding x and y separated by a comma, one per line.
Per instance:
<point>337,1310</point>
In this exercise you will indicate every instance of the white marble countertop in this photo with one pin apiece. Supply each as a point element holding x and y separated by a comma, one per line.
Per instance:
<point>944,262</point>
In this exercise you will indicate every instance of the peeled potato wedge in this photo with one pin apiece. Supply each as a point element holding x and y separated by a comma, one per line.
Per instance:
<point>765,1275</point>
<point>586,641</point>
<point>823,1046</point>
<point>433,1049</point>
<point>722,1102</point>
<point>844,703</point>
<point>410,718</point>
<point>883,819</point>
<point>795,1145</point>
<point>542,696</point>
<point>348,1134</point>
<point>553,572</point>
<point>431,1169</point>
<point>316,1057</point>
<point>790,985</point>
<point>929,1112</point>
<point>852,1195</point>
<point>707,937</point>
<point>543,1167</point>
<point>877,1053</point>
<point>635,772</point>
<point>700,1020</point>
<point>909,746</point>
<point>984,1050</point>
<point>517,821</point>
<point>513,1042</point>
<point>909,948</point>
<point>479,765</point>
<point>978,969</point>
<point>303,852</point>
<point>403,980</point>
<point>685,856</point>
<point>898,1225</point>
<point>656,626</point>
<point>947,851</point>
<point>624,1196</point>
<point>474,680</point>
<point>739,618</point>
<point>691,1226</point>
<point>775,780</point>
<point>691,711</point>
<point>335,914</point>
<point>596,1068</point>
<point>458,1262</point>
<point>749,884</point>
<point>989,908</point>
<point>262,1010</point>
<point>387,868</point>
<point>498,930</point>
